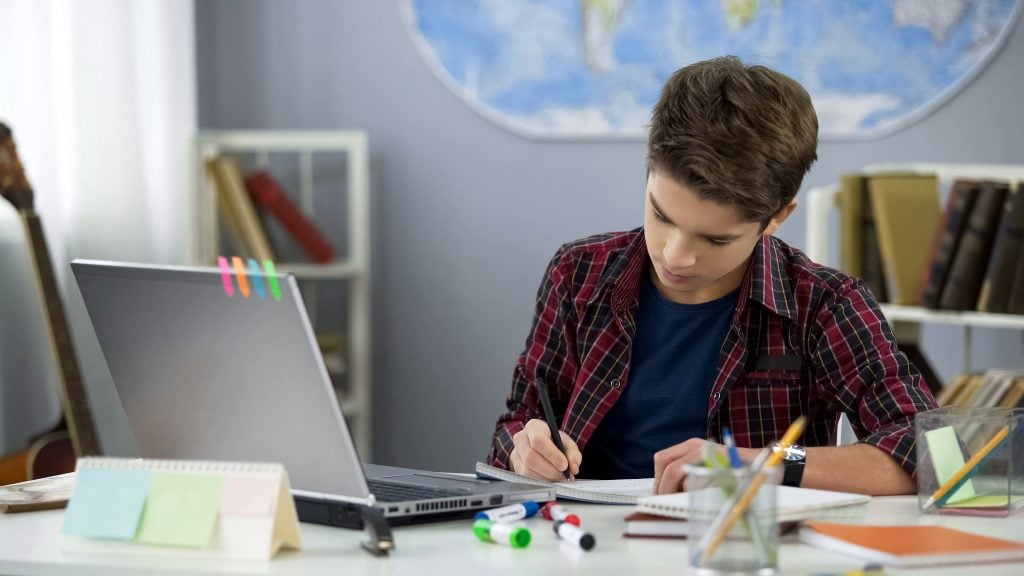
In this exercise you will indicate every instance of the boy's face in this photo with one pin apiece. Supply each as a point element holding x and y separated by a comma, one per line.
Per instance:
<point>699,249</point>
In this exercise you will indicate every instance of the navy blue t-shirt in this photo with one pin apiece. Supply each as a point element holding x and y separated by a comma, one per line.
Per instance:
<point>672,370</point>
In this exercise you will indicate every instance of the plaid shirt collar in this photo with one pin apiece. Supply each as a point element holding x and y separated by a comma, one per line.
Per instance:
<point>765,282</point>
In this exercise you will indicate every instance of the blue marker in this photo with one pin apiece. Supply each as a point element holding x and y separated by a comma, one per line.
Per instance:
<point>730,446</point>
<point>509,513</point>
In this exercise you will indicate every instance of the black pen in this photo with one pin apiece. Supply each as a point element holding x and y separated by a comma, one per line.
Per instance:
<point>549,415</point>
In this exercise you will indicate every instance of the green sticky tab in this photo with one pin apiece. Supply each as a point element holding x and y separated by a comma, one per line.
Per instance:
<point>947,459</point>
<point>181,509</point>
<point>107,503</point>
<point>275,288</point>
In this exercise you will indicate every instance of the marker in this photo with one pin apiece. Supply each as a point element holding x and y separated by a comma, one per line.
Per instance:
<point>500,533</point>
<point>730,446</point>
<point>557,512</point>
<point>510,513</point>
<point>574,535</point>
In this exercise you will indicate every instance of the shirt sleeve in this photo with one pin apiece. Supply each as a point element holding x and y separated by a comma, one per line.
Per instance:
<point>549,354</point>
<point>862,370</point>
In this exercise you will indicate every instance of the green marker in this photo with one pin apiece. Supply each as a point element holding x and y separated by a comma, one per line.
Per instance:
<point>275,288</point>
<point>501,533</point>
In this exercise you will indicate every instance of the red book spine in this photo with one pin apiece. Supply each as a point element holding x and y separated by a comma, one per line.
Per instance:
<point>265,191</point>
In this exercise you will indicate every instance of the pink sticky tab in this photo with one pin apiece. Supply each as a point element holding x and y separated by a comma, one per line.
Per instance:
<point>225,275</point>
<point>248,495</point>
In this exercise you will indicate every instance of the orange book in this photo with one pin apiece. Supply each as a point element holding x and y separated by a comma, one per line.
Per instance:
<point>911,545</point>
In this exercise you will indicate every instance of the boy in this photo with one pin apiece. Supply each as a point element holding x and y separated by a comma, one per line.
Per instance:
<point>651,340</point>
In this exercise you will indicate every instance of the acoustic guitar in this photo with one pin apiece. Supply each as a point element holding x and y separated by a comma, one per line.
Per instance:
<point>54,452</point>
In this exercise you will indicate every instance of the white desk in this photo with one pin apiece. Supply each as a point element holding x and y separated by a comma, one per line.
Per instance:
<point>30,545</point>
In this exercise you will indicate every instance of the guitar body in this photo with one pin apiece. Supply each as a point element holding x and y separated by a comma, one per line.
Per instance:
<point>54,452</point>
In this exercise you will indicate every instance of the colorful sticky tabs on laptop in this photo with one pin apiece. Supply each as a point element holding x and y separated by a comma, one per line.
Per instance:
<point>275,289</point>
<point>256,275</point>
<point>243,284</point>
<point>225,276</point>
<point>106,503</point>
<point>181,509</point>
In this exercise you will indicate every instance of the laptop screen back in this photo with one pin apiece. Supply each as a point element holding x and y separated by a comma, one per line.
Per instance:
<point>205,375</point>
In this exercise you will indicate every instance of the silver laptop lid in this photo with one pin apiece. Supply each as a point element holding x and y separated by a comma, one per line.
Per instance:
<point>202,374</point>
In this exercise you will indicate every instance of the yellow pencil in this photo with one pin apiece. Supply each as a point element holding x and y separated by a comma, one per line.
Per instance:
<point>957,480</point>
<point>720,529</point>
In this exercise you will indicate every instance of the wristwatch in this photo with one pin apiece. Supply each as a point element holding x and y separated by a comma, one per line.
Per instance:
<point>793,458</point>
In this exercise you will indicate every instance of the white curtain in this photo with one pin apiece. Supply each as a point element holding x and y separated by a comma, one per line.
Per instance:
<point>101,98</point>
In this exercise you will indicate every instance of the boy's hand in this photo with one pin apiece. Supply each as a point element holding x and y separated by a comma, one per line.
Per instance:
<point>535,455</point>
<point>668,463</point>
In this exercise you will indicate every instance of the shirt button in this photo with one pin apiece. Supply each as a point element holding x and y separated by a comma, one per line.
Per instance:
<point>615,383</point>
<point>716,396</point>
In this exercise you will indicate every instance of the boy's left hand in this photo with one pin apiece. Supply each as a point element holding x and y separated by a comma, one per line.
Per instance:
<point>668,463</point>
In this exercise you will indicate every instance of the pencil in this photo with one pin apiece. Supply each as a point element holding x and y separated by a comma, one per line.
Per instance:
<point>939,497</point>
<point>727,518</point>
<point>549,415</point>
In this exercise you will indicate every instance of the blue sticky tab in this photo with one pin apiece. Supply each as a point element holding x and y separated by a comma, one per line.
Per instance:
<point>106,503</point>
<point>256,275</point>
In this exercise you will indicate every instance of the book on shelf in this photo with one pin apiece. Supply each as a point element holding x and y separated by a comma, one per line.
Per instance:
<point>911,545</point>
<point>972,252</point>
<point>858,246</point>
<point>1014,397</point>
<point>267,193</point>
<point>1015,303</point>
<point>39,494</point>
<point>950,390</point>
<point>944,242</point>
<point>1006,249</point>
<point>792,504</point>
<point>906,209</point>
<point>238,208</point>
<point>596,491</point>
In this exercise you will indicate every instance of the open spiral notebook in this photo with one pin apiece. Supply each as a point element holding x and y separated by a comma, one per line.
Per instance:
<point>596,491</point>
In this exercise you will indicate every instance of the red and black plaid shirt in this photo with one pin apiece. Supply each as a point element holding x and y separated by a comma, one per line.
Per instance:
<point>804,340</point>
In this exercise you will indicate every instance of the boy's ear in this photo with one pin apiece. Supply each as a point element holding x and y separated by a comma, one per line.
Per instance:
<point>779,218</point>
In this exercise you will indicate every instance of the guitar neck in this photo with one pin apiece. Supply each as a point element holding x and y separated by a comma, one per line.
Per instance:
<point>76,407</point>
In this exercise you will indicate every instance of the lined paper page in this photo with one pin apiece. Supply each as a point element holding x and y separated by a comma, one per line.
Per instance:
<point>600,491</point>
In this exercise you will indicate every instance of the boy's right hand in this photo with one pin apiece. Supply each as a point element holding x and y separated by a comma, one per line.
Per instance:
<point>534,454</point>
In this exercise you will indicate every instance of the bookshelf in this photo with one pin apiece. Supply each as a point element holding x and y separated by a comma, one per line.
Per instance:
<point>310,153</point>
<point>822,205</point>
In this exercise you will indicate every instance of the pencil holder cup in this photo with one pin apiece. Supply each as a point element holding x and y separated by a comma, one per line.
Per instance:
<point>751,544</point>
<point>970,461</point>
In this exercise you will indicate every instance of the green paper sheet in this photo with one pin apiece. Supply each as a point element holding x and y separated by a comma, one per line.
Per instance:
<point>944,449</point>
<point>181,509</point>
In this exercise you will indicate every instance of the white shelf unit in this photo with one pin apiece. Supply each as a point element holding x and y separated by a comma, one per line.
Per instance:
<point>353,268</point>
<point>906,320</point>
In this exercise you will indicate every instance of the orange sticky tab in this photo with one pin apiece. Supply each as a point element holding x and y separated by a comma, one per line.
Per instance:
<point>243,282</point>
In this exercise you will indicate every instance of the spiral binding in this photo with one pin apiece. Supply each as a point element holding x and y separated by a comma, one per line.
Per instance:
<point>194,466</point>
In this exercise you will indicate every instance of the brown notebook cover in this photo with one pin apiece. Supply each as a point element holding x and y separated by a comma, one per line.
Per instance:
<point>1002,266</point>
<point>947,236</point>
<point>906,209</point>
<point>972,253</point>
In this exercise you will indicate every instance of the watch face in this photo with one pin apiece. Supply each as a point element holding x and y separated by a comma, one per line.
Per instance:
<point>794,453</point>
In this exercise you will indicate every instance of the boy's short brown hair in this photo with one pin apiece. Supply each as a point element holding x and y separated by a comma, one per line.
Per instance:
<point>735,134</point>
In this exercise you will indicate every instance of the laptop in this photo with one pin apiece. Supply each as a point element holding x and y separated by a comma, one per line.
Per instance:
<point>204,374</point>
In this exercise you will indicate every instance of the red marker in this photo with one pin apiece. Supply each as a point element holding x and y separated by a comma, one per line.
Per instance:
<point>557,512</point>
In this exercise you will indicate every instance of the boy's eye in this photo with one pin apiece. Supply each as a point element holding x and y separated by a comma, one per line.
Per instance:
<point>715,242</point>
<point>659,217</point>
